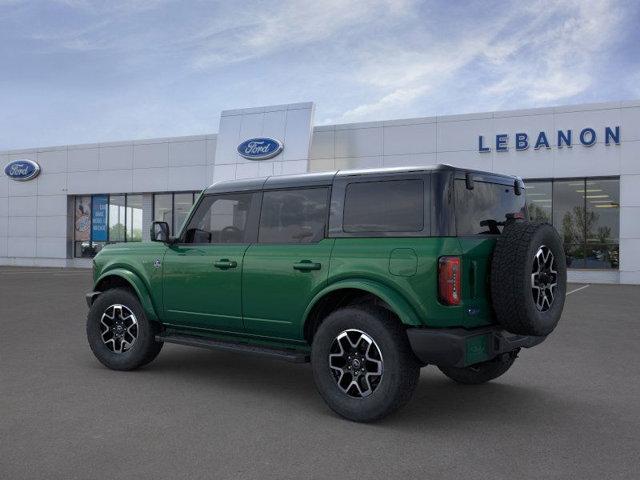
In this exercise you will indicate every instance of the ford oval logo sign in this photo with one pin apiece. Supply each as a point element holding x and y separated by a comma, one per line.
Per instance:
<point>260,148</point>
<point>22,170</point>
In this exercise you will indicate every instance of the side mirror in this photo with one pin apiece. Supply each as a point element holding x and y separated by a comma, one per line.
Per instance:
<point>160,232</point>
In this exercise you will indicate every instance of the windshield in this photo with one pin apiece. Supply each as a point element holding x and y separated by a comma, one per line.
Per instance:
<point>484,209</point>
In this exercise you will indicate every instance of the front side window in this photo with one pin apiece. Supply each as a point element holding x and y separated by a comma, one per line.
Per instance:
<point>384,206</point>
<point>293,216</point>
<point>220,219</point>
<point>485,208</point>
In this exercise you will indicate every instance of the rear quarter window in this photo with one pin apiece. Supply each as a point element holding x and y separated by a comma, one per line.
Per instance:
<point>484,209</point>
<point>384,206</point>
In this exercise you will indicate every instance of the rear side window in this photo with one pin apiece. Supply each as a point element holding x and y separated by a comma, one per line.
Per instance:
<point>384,206</point>
<point>484,209</point>
<point>293,216</point>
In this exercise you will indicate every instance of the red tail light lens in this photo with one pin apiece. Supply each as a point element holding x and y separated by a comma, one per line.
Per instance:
<point>449,274</point>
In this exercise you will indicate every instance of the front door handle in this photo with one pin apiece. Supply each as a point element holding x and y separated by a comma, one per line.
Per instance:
<point>225,263</point>
<point>306,265</point>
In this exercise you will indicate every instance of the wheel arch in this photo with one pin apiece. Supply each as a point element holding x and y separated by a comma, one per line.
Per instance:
<point>348,292</point>
<point>123,278</point>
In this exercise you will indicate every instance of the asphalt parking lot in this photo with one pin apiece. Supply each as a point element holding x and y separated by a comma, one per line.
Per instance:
<point>569,408</point>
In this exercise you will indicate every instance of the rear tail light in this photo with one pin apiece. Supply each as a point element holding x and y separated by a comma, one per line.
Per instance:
<point>449,280</point>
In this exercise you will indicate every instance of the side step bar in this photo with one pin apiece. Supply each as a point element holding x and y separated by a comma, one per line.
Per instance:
<point>195,341</point>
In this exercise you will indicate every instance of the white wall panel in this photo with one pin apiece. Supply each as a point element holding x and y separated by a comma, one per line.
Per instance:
<point>187,178</point>
<point>117,157</point>
<point>52,226</point>
<point>22,227</point>
<point>22,207</point>
<point>188,153</point>
<point>248,170</point>
<point>420,138</point>
<point>103,181</point>
<point>21,246</point>
<point>52,161</point>
<point>629,222</point>
<point>630,157</point>
<point>297,135</point>
<point>151,155</point>
<point>630,124</point>
<point>150,179</point>
<point>630,191</point>
<point>51,247</point>
<point>358,142</point>
<point>22,189</point>
<point>83,159</point>
<point>412,160</point>
<point>52,183</point>
<point>463,135</point>
<point>322,145</point>
<point>51,205</point>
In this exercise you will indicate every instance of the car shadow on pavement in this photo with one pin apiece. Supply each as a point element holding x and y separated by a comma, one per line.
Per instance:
<point>437,403</point>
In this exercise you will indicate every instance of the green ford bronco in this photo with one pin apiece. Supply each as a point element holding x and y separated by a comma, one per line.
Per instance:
<point>369,275</point>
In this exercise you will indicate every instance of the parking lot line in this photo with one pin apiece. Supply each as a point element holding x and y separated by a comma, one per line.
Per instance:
<point>578,289</point>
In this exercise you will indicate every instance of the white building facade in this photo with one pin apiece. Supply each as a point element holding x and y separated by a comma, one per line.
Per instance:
<point>581,165</point>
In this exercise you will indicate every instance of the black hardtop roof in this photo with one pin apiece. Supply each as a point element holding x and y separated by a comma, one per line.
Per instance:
<point>327,178</point>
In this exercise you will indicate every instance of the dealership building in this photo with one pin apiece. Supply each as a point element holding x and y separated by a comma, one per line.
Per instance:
<point>581,164</point>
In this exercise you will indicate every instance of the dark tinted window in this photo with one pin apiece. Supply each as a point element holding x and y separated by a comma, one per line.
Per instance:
<point>220,219</point>
<point>293,216</point>
<point>386,206</point>
<point>485,208</point>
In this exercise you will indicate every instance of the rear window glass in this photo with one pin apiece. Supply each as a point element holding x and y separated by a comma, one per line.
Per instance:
<point>484,209</point>
<point>385,206</point>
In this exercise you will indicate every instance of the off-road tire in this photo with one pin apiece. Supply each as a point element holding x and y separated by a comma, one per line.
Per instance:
<point>482,372</point>
<point>144,349</point>
<point>400,367</point>
<point>511,278</point>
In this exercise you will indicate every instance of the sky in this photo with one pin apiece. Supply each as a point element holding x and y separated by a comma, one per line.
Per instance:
<point>80,71</point>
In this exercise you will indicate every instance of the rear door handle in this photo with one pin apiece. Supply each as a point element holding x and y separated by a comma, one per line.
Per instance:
<point>225,263</point>
<point>306,266</point>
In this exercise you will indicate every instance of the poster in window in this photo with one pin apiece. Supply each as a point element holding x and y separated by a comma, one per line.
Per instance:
<point>99,208</point>
<point>83,219</point>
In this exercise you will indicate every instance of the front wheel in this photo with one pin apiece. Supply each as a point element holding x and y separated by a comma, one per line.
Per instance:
<point>362,363</point>
<point>119,333</point>
<point>482,372</point>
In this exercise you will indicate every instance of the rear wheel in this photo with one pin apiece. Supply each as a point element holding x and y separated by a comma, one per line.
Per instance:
<point>482,372</point>
<point>119,333</point>
<point>362,363</point>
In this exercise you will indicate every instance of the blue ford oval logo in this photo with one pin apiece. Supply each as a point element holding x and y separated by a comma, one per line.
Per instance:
<point>260,148</point>
<point>22,170</point>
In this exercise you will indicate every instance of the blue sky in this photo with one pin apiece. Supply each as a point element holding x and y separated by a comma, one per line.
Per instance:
<point>77,71</point>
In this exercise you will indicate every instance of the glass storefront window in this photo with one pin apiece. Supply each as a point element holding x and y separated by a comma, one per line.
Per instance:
<point>586,213</point>
<point>182,203</point>
<point>163,208</point>
<point>134,218</point>
<point>173,208</point>
<point>603,223</point>
<point>539,200</point>
<point>117,218</point>
<point>82,227</point>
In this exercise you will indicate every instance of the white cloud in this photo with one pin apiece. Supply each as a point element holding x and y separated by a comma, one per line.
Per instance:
<point>543,53</point>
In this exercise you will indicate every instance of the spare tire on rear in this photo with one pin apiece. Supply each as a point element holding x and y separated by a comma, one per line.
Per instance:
<point>528,278</point>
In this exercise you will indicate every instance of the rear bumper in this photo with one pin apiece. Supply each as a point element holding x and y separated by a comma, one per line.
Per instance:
<point>459,347</point>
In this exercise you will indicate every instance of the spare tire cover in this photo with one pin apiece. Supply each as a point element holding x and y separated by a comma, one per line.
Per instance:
<point>528,278</point>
